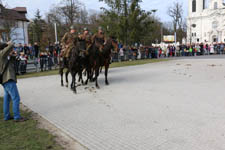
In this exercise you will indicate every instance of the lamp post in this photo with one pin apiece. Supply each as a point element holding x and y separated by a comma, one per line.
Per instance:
<point>56,35</point>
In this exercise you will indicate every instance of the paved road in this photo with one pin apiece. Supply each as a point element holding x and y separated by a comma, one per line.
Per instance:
<point>175,105</point>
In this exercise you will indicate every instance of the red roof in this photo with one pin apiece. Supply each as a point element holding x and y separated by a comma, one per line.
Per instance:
<point>21,9</point>
<point>18,13</point>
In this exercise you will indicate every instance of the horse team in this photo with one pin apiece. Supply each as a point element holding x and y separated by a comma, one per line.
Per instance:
<point>87,63</point>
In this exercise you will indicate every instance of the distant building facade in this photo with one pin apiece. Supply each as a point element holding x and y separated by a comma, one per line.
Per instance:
<point>206,21</point>
<point>15,21</point>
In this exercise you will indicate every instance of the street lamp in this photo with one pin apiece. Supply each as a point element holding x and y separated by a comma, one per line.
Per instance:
<point>56,35</point>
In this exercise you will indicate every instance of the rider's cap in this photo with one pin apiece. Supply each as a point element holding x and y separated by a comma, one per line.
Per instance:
<point>100,28</point>
<point>72,28</point>
<point>85,29</point>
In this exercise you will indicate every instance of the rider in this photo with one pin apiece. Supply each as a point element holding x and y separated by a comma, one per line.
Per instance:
<point>86,38</point>
<point>99,39</point>
<point>68,41</point>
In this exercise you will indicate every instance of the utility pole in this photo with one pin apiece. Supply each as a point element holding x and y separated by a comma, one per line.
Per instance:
<point>56,35</point>
<point>161,32</point>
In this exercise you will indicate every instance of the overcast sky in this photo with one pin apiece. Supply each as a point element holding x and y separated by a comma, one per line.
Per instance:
<point>45,5</point>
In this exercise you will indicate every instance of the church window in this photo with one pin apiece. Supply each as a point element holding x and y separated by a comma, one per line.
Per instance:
<point>193,5</point>
<point>205,4</point>
<point>214,24</point>
<point>215,5</point>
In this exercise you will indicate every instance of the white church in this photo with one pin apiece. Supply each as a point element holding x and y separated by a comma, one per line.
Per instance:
<point>206,21</point>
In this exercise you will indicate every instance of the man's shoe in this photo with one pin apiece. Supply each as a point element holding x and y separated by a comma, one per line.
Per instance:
<point>11,118</point>
<point>21,120</point>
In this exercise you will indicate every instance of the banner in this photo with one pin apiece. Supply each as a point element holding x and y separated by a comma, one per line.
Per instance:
<point>168,38</point>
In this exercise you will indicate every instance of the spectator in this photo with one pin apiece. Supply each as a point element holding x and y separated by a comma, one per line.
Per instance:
<point>32,52</point>
<point>190,51</point>
<point>50,62</point>
<point>208,49</point>
<point>202,51</point>
<point>36,50</point>
<point>43,61</point>
<point>51,49</point>
<point>23,63</point>
<point>7,57</point>
<point>211,49</point>
<point>121,54</point>
<point>26,50</point>
<point>20,48</point>
<point>55,55</point>
<point>221,48</point>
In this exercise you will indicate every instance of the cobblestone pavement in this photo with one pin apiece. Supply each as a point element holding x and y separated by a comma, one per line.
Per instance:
<point>175,105</point>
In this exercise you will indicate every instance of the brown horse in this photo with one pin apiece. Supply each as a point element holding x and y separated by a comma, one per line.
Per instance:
<point>106,56</point>
<point>64,63</point>
<point>98,59</point>
<point>74,66</point>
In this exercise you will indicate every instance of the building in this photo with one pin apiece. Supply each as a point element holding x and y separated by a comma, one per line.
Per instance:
<point>206,21</point>
<point>13,23</point>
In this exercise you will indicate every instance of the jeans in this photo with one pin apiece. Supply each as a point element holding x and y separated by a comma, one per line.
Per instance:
<point>11,93</point>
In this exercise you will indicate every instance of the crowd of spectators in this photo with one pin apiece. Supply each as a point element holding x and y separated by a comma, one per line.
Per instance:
<point>127,53</point>
<point>41,59</point>
<point>47,59</point>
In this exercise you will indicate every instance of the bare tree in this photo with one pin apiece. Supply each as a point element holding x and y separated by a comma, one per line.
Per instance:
<point>8,24</point>
<point>83,16</point>
<point>176,13</point>
<point>70,10</point>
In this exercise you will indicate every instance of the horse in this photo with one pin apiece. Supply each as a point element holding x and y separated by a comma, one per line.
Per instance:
<point>64,63</point>
<point>74,66</point>
<point>83,57</point>
<point>106,55</point>
<point>98,59</point>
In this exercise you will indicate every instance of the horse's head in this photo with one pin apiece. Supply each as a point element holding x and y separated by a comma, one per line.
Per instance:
<point>113,44</point>
<point>75,50</point>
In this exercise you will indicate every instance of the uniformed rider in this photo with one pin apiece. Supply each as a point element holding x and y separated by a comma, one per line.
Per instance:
<point>86,39</point>
<point>68,42</point>
<point>99,39</point>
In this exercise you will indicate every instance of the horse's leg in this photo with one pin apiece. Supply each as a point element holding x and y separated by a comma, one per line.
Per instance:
<point>67,82</point>
<point>88,73</point>
<point>72,83</point>
<point>79,73</point>
<point>82,81</point>
<point>81,77</point>
<point>101,69</point>
<point>96,77</point>
<point>61,74</point>
<point>106,73</point>
<point>74,86</point>
<point>92,78</point>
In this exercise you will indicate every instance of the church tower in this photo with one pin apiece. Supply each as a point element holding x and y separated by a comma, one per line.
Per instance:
<point>205,22</point>
<point>196,6</point>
